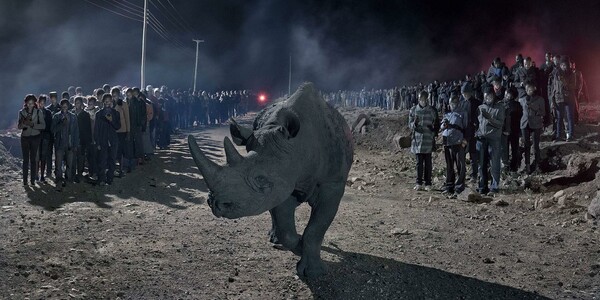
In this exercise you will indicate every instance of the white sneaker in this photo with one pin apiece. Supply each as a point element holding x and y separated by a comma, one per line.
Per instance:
<point>418,187</point>
<point>428,188</point>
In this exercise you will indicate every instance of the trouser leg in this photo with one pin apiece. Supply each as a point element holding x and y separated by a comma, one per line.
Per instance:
<point>458,153</point>
<point>428,168</point>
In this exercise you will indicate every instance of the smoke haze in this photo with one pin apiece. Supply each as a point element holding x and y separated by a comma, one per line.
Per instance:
<point>50,45</point>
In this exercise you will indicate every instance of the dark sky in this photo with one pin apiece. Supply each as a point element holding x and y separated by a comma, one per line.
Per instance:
<point>50,44</point>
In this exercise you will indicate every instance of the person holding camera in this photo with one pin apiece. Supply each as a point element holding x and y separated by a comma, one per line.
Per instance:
<point>32,123</point>
<point>453,138</point>
<point>491,116</point>
<point>66,140</point>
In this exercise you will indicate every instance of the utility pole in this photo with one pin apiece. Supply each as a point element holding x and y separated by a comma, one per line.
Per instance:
<point>142,77</point>
<point>290,79</point>
<point>196,68</point>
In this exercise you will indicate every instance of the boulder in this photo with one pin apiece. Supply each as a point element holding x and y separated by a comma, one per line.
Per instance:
<point>594,208</point>
<point>401,141</point>
<point>559,194</point>
<point>469,195</point>
<point>543,203</point>
<point>565,202</point>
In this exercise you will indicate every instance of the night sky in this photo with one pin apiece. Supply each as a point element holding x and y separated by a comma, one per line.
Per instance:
<point>50,44</point>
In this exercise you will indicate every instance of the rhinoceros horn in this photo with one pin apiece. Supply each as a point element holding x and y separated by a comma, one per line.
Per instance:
<point>207,167</point>
<point>233,156</point>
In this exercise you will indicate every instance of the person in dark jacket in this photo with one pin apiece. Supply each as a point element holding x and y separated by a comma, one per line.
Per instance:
<point>498,69</point>
<point>518,65</point>
<point>66,139</point>
<point>53,107</point>
<point>511,157</point>
<point>562,96</point>
<point>84,122</point>
<point>528,73</point>
<point>107,123</point>
<point>137,122</point>
<point>470,104</point>
<point>31,122</point>
<point>532,123</point>
<point>491,121</point>
<point>44,152</point>
<point>453,129</point>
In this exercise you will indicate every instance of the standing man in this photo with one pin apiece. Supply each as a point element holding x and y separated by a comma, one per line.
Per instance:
<point>491,120</point>
<point>66,139</point>
<point>453,127</point>
<point>532,123</point>
<point>84,122</point>
<point>44,153</point>
<point>422,121</point>
<point>54,107</point>
<point>105,134</point>
<point>563,94</point>
<point>470,104</point>
<point>137,120</point>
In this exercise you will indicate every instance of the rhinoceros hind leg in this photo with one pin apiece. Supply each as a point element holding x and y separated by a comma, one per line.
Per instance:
<point>284,226</point>
<point>324,209</point>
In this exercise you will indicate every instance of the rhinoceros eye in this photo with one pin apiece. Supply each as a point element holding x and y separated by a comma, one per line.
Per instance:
<point>263,184</point>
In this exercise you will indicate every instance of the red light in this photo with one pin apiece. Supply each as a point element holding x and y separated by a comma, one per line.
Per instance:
<point>262,98</point>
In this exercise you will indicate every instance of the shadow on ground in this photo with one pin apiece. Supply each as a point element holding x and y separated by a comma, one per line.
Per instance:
<point>362,276</point>
<point>171,178</point>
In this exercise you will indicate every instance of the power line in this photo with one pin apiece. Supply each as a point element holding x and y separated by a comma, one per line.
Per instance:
<point>134,5</point>
<point>112,11</point>
<point>139,11</point>
<point>177,21</point>
<point>180,17</point>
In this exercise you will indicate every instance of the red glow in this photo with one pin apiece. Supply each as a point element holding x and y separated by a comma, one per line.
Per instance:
<point>262,98</point>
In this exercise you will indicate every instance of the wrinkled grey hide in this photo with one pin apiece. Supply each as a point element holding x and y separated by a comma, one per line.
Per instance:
<point>299,150</point>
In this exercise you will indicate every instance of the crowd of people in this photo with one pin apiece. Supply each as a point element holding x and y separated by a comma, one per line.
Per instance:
<point>490,117</point>
<point>108,133</point>
<point>496,117</point>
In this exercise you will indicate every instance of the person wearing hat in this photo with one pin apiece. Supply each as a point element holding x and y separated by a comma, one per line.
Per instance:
<point>469,104</point>
<point>453,129</point>
<point>562,97</point>
<point>31,122</point>
<point>66,140</point>
<point>491,122</point>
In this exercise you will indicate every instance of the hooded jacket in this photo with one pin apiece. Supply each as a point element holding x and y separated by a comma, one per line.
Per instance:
<point>37,117</point>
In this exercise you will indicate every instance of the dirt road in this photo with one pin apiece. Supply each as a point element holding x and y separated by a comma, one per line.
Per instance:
<point>151,236</point>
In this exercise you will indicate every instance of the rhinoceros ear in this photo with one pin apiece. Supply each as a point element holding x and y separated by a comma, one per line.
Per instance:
<point>239,134</point>
<point>290,123</point>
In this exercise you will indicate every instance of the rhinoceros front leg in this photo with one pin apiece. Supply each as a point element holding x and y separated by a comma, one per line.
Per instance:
<point>323,211</point>
<point>284,225</point>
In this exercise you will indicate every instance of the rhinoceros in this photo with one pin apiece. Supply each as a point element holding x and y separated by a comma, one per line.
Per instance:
<point>299,150</point>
